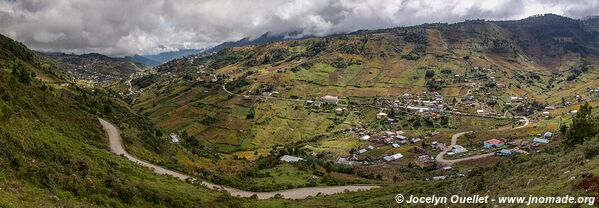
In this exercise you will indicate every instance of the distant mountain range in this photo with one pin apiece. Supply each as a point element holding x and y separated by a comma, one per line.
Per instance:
<point>161,58</point>
<point>157,59</point>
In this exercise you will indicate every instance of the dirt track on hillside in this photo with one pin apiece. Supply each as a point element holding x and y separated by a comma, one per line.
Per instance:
<point>116,146</point>
<point>454,140</point>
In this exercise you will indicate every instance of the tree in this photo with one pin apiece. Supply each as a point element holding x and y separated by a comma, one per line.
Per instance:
<point>429,74</point>
<point>22,74</point>
<point>583,127</point>
<point>563,129</point>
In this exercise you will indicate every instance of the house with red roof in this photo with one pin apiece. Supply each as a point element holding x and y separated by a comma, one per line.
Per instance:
<point>493,143</point>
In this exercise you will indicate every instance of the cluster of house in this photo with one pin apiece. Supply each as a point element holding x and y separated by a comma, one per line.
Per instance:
<point>393,138</point>
<point>327,99</point>
<point>546,112</point>
<point>426,102</point>
<point>540,139</point>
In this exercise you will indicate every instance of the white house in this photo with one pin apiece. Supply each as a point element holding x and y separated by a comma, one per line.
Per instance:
<point>289,158</point>
<point>457,149</point>
<point>174,138</point>
<point>329,99</point>
<point>540,140</point>
<point>393,157</point>
<point>365,138</point>
<point>415,140</point>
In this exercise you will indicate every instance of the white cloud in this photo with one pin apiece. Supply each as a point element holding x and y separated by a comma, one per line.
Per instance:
<point>117,27</point>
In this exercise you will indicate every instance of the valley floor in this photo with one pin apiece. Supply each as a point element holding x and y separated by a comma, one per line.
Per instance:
<point>116,147</point>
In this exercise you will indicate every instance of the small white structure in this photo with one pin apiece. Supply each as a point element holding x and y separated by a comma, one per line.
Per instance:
<point>344,161</point>
<point>365,138</point>
<point>392,157</point>
<point>370,147</point>
<point>540,140</point>
<point>362,151</point>
<point>394,145</point>
<point>174,138</point>
<point>381,115</point>
<point>329,99</point>
<point>548,135</point>
<point>457,149</point>
<point>289,158</point>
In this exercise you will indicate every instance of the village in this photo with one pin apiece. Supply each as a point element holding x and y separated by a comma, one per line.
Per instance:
<point>425,149</point>
<point>484,96</point>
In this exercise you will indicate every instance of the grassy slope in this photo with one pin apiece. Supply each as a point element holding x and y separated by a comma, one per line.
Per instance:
<point>552,172</point>
<point>374,64</point>
<point>359,66</point>
<point>54,154</point>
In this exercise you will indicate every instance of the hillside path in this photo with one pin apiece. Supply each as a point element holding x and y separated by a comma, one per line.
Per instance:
<point>454,140</point>
<point>116,146</point>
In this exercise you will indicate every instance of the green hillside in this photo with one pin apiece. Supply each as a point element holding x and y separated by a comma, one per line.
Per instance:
<point>363,67</point>
<point>217,101</point>
<point>95,67</point>
<point>55,154</point>
<point>228,117</point>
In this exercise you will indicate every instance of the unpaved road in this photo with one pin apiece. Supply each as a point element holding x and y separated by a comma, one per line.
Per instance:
<point>116,146</point>
<point>454,141</point>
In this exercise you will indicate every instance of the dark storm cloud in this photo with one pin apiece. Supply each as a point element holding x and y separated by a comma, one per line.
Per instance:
<point>117,27</point>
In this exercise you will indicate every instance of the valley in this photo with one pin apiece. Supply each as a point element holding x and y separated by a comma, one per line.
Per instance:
<point>344,120</point>
<point>344,100</point>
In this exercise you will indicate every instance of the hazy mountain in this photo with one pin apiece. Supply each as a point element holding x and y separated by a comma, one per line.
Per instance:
<point>263,39</point>
<point>96,67</point>
<point>157,59</point>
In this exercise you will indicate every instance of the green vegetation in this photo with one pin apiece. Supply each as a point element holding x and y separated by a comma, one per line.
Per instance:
<point>56,154</point>
<point>584,127</point>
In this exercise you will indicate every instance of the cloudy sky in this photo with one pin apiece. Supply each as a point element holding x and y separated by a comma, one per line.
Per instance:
<point>124,27</point>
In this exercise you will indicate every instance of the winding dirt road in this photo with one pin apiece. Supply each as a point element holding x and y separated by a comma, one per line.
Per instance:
<point>116,146</point>
<point>454,140</point>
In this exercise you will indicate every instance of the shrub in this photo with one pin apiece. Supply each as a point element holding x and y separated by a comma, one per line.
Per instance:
<point>429,74</point>
<point>5,111</point>
<point>591,151</point>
